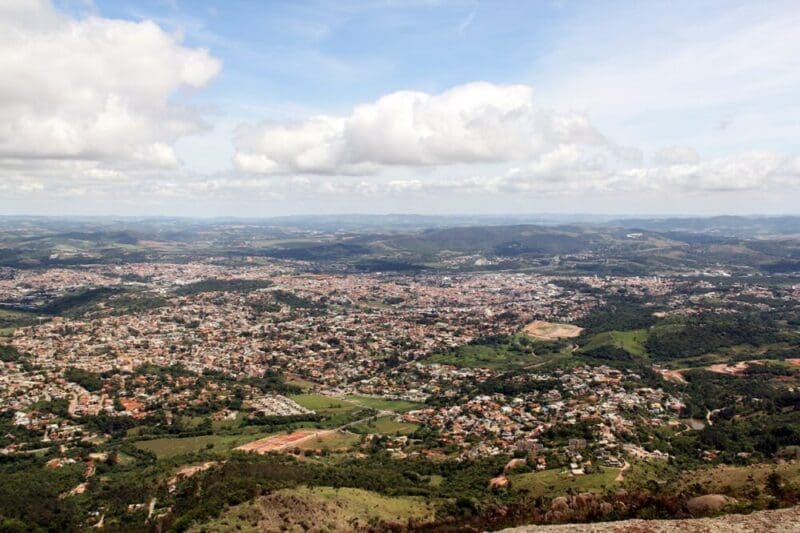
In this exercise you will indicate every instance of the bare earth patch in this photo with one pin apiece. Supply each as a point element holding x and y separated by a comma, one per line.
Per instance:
<point>673,375</point>
<point>732,370</point>
<point>550,331</point>
<point>280,442</point>
<point>708,503</point>
<point>189,471</point>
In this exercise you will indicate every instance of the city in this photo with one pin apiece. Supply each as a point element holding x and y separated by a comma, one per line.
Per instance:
<point>397,266</point>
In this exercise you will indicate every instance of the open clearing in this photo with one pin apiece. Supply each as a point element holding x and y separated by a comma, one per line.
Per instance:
<point>737,479</point>
<point>336,411</point>
<point>516,351</point>
<point>282,441</point>
<point>732,369</point>
<point>386,425</point>
<point>189,471</point>
<point>676,376</point>
<point>324,405</point>
<point>165,448</point>
<point>556,482</point>
<point>321,509</point>
<point>384,404</point>
<point>632,341</point>
<point>331,441</point>
<point>551,331</point>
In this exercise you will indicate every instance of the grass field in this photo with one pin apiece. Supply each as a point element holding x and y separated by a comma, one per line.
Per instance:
<point>484,357</point>
<point>324,404</point>
<point>237,424</point>
<point>737,479</point>
<point>518,351</point>
<point>386,425</point>
<point>165,448</point>
<point>556,482</point>
<point>304,384</point>
<point>642,474</point>
<point>10,320</point>
<point>435,480</point>
<point>321,509</point>
<point>632,341</point>
<point>337,440</point>
<point>336,411</point>
<point>382,404</point>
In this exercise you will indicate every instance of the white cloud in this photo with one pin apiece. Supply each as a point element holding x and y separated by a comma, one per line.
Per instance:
<point>93,88</point>
<point>747,171</point>
<point>675,155</point>
<point>482,138</point>
<point>473,123</point>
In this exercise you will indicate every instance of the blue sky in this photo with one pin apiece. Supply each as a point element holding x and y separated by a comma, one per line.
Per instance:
<point>260,108</point>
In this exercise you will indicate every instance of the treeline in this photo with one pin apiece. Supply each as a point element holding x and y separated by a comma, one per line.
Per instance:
<point>760,433</point>
<point>708,332</point>
<point>619,313</point>
<point>223,285</point>
<point>77,303</point>
<point>292,300</point>
<point>9,354</point>
<point>132,304</point>
<point>16,319</point>
<point>608,352</point>
<point>280,422</point>
<point>244,477</point>
<point>88,380</point>
<point>515,383</point>
<point>29,497</point>
<point>709,391</point>
<point>269,381</point>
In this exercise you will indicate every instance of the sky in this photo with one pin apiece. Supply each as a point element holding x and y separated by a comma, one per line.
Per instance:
<point>265,108</point>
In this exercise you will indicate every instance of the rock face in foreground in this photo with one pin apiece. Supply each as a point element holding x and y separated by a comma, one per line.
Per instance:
<point>778,521</point>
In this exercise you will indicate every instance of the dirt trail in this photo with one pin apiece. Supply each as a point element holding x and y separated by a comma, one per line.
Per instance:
<point>621,476</point>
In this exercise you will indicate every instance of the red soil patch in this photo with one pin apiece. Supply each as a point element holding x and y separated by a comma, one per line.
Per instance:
<point>280,442</point>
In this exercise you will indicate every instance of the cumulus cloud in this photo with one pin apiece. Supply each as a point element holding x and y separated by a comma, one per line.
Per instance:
<point>473,123</point>
<point>567,171</point>
<point>93,88</point>
<point>482,138</point>
<point>675,155</point>
<point>746,171</point>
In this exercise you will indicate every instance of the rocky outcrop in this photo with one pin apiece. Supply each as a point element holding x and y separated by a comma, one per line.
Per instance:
<point>585,506</point>
<point>778,521</point>
<point>708,503</point>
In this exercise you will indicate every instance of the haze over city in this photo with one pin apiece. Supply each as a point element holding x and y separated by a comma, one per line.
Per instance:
<point>377,106</point>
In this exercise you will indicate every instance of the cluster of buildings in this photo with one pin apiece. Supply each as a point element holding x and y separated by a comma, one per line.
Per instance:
<point>342,331</point>
<point>368,334</point>
<point>276,405</point>
<point>606,401</point>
